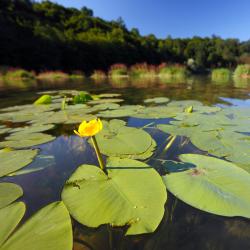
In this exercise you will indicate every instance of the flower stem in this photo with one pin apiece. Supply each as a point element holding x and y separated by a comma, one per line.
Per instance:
<point>170,143</point>
<point>98,154</point>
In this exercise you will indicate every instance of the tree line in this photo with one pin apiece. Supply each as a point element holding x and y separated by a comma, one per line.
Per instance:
<point>48,36</point>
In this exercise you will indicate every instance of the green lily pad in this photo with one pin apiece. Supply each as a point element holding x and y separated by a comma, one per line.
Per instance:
<point>10,216</point>
<point>119,199</point>
<point>12,161</point>
<point>50,228</point>
<point>157,100</point>
<point>32,129</point>
<point>109,95</point>
<point>20,141</point>
<point>41,162</point>
<point>215,186</point>
<point>106,100</point>
<point>9,192</point>
<point>116,139</point>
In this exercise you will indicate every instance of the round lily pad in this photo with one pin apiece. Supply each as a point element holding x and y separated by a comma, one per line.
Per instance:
<point>116,139</point>
<point>119,199</point>
<point>215,186</point>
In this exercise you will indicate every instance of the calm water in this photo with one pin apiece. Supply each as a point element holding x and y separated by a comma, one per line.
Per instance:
<point>182,227</point>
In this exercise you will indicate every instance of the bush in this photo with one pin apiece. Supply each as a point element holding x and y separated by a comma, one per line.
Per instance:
<point>220,75</point>
<point>98,75</point>
<point>118,70</point>
<point>19,74</point>
<point>242,71</point>
<point>172,71</point>
<point>53,75</point>
<point>143,70</point>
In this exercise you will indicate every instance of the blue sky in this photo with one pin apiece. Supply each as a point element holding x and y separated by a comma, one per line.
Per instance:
<point>178,18</point>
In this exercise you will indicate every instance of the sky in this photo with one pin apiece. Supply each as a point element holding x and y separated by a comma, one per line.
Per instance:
<point>177,18</point>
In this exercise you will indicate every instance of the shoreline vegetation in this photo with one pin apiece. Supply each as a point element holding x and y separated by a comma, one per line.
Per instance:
<point>51,36</point>
<point>121,71</point>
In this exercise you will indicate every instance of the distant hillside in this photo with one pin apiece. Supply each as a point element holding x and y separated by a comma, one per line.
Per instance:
<point>46,35</point>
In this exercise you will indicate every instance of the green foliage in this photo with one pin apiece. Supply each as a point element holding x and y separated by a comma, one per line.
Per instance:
<point>44,99</point>
<point>81,98</point>
<point>53,75</point>
<point>143,70</point>
<point>98,75</point>
<point>118,70</point>
<point>242,71</point>
<point>19,74</point>
<point>172,71</point>
<point>221,75</point>
<point>69,39</point>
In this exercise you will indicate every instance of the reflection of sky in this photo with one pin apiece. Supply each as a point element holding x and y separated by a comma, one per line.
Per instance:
<point>237,102</point>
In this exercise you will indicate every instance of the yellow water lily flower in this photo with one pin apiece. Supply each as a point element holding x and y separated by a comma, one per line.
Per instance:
<point>90,128</point>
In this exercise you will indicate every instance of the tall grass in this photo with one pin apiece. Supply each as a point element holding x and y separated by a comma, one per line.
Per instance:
<point>172,71</point>
<point>53,75</point>
<point>242,71</point>
<point>18,74</point>
<point>221,75</point>
<point>143,70</point>
<point>118,70</point>
<point>98,75</point>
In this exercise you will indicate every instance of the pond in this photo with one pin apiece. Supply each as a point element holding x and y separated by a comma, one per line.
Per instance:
<point>197,116</point>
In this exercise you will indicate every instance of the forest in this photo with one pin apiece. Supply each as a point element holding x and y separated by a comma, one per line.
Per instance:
<point>47,36</point>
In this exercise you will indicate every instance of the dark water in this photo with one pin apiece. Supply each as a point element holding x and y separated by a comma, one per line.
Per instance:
<point>182,227</point>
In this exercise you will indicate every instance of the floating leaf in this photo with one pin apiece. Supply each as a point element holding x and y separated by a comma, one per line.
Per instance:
<point>157,100</point>
<point>106,100</point>
<point>32,129</point>
<point>9,192</point>
<point>215,186</point>
<point>41,162</point>
<point>116,139</point>
<point>118,199</point>
<point>12,161</point>
<point>50,228</point>
<point>10,216</point>
<point>20,141</point>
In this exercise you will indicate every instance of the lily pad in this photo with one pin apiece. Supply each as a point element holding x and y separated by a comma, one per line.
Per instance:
<point>116,139</point>
<point>12,161</point>
<point>9,192</point>
<point>20,141</point>
<point>10,216</point>
<point>157,100</point>
<point>119,199</point>
<point>215,186</point>
<point>32,129</point>
<point>106,100</point>
<point>50,228</point>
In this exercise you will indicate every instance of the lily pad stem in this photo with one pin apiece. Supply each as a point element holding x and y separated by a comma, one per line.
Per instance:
<point>98,154</point>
